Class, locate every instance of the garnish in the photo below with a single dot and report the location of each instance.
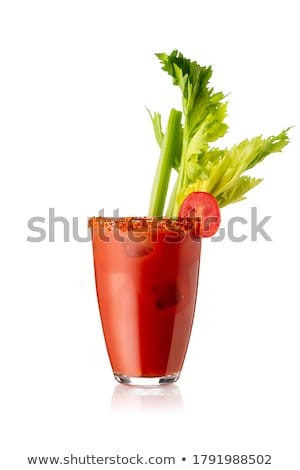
(205, 207)
(186, 144)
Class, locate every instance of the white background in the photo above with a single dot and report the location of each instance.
(75, 135)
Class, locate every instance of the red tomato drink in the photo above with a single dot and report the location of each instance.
(146, 274)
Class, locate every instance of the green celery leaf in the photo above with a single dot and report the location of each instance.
(223, 169)
(236, 193)
(225, 173)
(271, 145)
(156, 122)
(200, 103)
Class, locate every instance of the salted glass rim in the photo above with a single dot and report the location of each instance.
(181, 221)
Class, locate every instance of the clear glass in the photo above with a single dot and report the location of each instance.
(146, 272)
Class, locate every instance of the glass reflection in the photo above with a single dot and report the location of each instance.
(164, 399)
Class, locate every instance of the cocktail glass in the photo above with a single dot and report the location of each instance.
(146, 272)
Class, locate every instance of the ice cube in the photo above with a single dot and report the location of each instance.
(137, 250)
(167, 294)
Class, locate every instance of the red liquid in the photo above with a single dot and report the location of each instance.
(146, 293)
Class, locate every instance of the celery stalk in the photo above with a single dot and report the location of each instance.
(172, 200)
(171, 140)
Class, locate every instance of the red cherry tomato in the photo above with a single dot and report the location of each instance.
(205, 207)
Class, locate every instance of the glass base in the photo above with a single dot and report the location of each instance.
(147, 381)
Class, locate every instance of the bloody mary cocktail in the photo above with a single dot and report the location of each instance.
(146, 274)
(147, 268)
